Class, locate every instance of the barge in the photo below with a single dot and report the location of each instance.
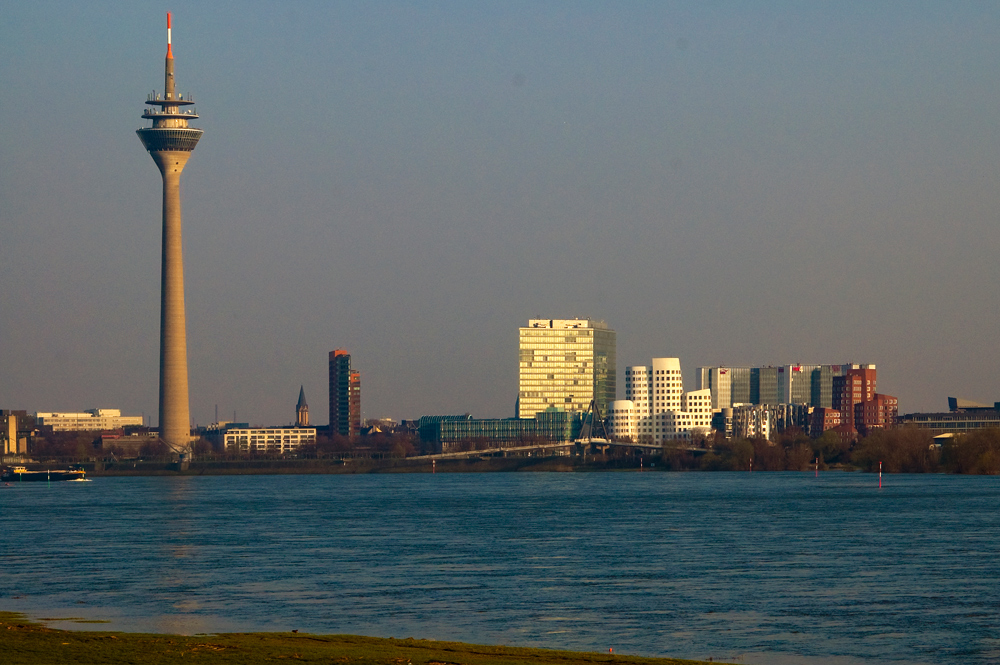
(18, 474)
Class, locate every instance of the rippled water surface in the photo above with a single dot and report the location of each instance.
(754, 568)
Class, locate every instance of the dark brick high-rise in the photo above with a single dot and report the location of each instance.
(345, 395)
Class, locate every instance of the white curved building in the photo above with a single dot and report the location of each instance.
(622, 420)
(664, 412)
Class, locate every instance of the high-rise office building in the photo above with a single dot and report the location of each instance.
(813, 384)
(565, 363)
(170, 142)
(340, 390)
(738, 385)
(718, 380)
(740, 379)
(792, 384)
(764, 386)
(345, 395)
(809, 384)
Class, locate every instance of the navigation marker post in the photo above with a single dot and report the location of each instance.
(880, 475)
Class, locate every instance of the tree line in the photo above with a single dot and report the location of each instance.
(900, 450)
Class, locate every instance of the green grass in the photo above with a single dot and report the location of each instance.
(73, 619)
(27, 642)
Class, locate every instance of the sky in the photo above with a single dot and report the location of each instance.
(730, 183)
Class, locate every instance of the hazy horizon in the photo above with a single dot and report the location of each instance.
(727, 183)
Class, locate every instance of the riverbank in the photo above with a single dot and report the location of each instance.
(360, 465)
(24, 642)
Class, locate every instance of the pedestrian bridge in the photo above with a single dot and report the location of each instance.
(567, 448)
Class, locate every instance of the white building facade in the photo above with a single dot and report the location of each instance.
(92, 419)
(664, 412)
(268, 439)
(623, 420)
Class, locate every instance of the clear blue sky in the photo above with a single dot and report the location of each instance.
(727, 182)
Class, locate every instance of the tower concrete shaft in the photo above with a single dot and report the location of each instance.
(170, 142)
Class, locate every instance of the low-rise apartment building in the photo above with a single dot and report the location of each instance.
(276, 440)
(91, 419)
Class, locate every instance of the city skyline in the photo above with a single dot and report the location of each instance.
(741, 185)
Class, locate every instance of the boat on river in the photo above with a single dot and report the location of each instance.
(18, 474)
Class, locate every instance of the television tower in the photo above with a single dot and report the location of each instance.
(170, 142)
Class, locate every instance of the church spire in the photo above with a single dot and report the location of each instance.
(302, 409)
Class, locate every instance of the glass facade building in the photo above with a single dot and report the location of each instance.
(448, 433)
(795, 384)
(764, 386)
(811, 384)
(739, 385)
(566, 363)
(799, 384)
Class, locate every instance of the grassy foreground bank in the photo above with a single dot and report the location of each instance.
(26, 642)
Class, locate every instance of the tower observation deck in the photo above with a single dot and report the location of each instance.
(170, 141)
(170, 130)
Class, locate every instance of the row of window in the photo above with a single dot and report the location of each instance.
(548, 397)
(550, 380)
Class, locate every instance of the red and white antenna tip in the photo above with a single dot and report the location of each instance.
(170, 52)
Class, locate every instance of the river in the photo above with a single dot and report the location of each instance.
(752, 568)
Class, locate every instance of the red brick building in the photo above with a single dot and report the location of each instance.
(823, 419)
(880, 412)
(856, 385)
(355, 402)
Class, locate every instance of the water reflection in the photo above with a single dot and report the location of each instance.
(177, 537)
(745, 568)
